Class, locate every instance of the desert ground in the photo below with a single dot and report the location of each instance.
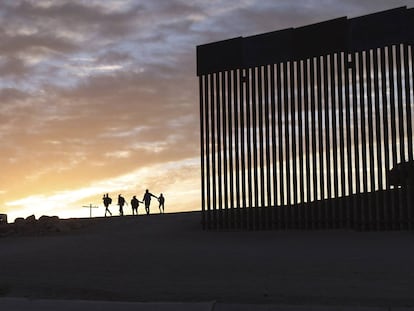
(169, 258)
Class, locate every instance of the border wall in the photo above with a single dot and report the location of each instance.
(299, 127)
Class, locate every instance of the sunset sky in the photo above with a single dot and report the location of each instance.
(102, 96)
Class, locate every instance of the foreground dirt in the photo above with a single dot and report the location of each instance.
(169, 258)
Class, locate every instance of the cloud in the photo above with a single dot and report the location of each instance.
(13, 67)
(74, 16)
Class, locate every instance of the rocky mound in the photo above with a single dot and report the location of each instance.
(45, 225)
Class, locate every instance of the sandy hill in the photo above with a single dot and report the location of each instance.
(169, 258)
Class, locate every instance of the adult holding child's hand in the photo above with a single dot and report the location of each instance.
(147, 200)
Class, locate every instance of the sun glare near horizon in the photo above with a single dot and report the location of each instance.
(181, 194)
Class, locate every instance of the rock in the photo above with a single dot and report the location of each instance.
(45, 225)
(48, 219)
(3, 219)
(31, 219)
(25, 226)
(19, 221)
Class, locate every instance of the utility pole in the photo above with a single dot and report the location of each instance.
(90, 209)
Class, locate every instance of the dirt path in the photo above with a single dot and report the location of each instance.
(169, 258)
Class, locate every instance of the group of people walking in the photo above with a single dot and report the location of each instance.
(146, 200)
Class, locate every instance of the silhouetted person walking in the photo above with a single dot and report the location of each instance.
(147, 200)
(107, 201)
(121, 202)
(161, 199)
(134, 204)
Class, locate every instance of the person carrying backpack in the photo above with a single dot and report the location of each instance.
(107, 201)
(134, 204)
(121, 203)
